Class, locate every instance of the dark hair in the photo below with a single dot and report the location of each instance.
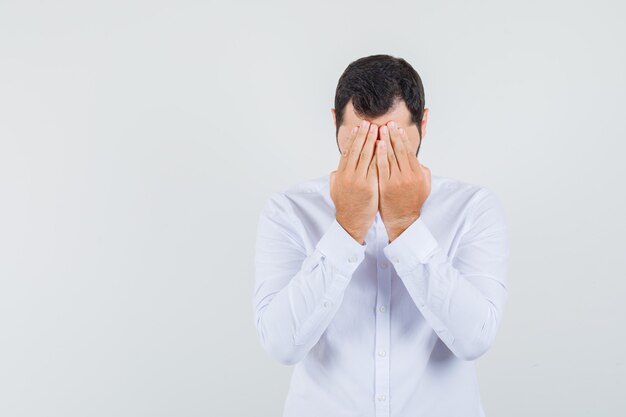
(375, 83)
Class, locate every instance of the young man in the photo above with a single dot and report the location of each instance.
(380, 282)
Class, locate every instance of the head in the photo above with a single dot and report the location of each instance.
(380, 88)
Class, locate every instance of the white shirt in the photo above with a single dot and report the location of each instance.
(381, 329)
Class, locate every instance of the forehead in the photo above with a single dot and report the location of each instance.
(399, 113)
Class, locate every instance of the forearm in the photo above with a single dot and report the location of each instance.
(291, 318)
(464, 318)
(464, 309)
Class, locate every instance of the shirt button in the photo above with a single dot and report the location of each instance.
(327, 303)
(381, 309)
(382, 397)
(383, 264)
(381, 353)
(395, 260)
(352, 259)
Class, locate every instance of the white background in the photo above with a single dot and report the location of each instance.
(139, 140)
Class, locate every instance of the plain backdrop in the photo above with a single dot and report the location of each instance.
(140, 139)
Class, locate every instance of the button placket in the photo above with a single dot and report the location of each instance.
(381, 358)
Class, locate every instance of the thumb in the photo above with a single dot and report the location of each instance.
(425, 171)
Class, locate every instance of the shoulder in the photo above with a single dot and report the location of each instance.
(453, 187)
(465, 198)
(300, 194)
(451, 195)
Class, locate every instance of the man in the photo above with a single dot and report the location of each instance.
(380, 282)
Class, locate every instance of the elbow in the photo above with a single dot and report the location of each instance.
(472, 352)
(287, 361)
(472, 348)
(281, 349)
(281, 352)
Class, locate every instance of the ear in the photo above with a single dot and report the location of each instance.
(424, 121)
(334, 117)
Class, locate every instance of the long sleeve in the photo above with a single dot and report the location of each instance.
(297, 294)
(462, 298)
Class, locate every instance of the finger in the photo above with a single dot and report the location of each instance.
(367, 153)
(399, 149)
(413, 164)
(392, 164)
(357, 145)
(426, 171)
(382, 160)
(343, 160)
(373, 169)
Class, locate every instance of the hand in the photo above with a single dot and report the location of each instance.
(404, 184)
(354, 184)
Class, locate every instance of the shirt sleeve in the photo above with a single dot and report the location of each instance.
(462, 298)
(296, 294)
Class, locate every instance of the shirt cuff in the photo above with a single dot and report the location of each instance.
(413, 246)
(343, 251)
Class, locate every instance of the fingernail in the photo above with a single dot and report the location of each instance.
(392, 124)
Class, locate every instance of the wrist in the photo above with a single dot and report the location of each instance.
(356, 233)
(397, 227)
